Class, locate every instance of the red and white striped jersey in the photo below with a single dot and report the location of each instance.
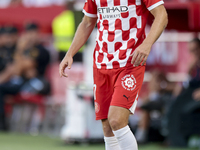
(121, 28)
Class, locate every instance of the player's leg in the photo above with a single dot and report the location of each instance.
(110, 140)
(124, 99)
(118, 120)
(107, 130)
(102, 98)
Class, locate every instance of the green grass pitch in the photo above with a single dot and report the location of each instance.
(18, 141)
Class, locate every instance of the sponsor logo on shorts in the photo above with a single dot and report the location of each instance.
(126, 97)
(128, 82)
(97, 107)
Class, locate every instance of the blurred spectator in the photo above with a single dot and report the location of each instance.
(8, 36)
(26, 73)
(1, 33)
(2, 61)
(159, 89)
(42, 3)
(184, 113)
(193, 69)
(30, 39)
(64, 26)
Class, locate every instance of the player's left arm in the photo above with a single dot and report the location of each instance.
(160, 22)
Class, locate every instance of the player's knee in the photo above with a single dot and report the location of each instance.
(115, 123)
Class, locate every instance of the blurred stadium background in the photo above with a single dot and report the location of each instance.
(40, 110)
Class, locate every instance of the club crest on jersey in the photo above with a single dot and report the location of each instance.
(128, 82)
(97, 107)
(112, 12)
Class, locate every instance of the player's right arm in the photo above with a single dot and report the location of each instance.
(82, 34)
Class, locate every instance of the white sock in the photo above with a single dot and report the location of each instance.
(126, 139)
(111, 143)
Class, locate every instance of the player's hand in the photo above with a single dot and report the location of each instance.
(65, 63)
(140, 55)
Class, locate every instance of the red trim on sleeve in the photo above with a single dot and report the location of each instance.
(149, 3)
(90, 8)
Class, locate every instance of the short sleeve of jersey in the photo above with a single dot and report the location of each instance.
(151, 4)
(90, 8)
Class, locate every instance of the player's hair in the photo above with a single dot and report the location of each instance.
(197, 41)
